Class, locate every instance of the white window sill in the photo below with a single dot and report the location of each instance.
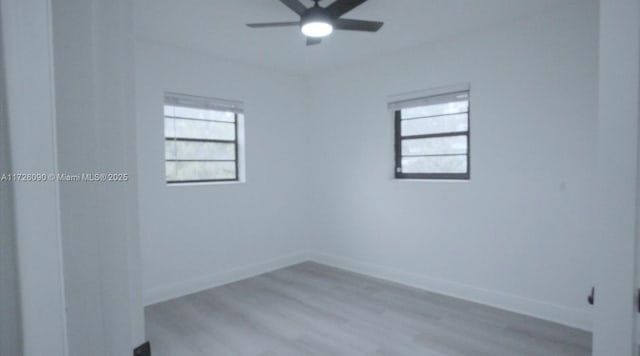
(400, 180)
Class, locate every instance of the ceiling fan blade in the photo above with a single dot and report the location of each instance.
(295, 5)
(273, 24)
(311, 41)
(357, 25)
(341, 7)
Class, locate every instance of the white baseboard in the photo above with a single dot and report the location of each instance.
(162, 294)
(577, 318)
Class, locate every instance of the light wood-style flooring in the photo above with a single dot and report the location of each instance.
(312, 309)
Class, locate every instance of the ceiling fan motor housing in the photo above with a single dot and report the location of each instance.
(316, 14)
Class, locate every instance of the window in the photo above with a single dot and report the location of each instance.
(432, 136)
(202, 139)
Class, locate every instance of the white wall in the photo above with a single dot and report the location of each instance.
(520, 234)
(197, 236)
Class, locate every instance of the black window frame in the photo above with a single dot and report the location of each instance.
(432, 176)
(235, 141)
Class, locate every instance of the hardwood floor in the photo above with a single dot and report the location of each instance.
(312, 309)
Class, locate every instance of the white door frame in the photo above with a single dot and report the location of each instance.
(28, 59)
(10, 325)
(28, 37)
(614, 315)
(96, 129)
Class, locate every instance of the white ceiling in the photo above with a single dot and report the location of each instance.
(218, 27)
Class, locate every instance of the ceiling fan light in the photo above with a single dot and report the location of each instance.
(317, 29)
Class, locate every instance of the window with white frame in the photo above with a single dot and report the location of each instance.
(202, 139)
(432, 136)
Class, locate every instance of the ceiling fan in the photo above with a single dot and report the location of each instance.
(317, 22)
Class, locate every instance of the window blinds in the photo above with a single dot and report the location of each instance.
(196, 102)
